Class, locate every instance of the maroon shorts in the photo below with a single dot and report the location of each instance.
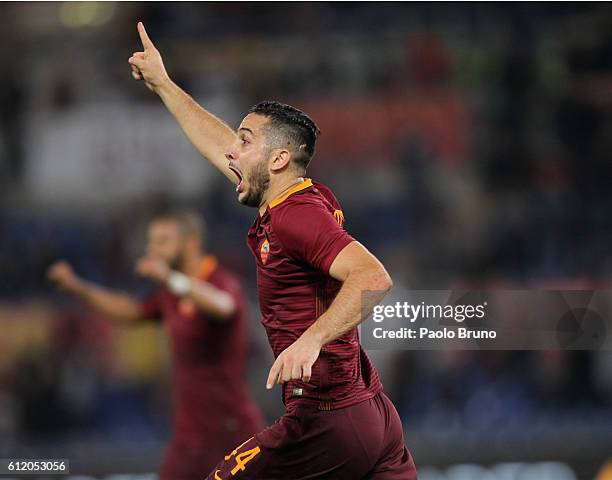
(186, 460)
(363, 441)
(190, 457)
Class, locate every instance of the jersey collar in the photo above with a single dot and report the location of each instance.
(307, 182)
(207, 266)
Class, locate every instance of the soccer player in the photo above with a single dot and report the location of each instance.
(311, 274)
(203, 309)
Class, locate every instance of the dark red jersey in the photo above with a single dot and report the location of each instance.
(208, 361)
(295, 242)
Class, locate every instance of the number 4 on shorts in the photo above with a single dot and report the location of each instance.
(242, 458)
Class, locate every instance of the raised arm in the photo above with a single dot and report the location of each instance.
(117, 305)
(208, 134)
(208, 299)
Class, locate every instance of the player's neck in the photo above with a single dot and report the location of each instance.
(278, 191)
(191, 264)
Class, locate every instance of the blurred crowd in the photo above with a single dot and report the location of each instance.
(469, 144)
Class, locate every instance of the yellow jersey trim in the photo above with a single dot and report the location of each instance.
(305, 184)
(209, 263)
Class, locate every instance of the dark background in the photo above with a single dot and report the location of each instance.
(469, 145)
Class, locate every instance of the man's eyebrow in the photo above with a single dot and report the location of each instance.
(247, 129)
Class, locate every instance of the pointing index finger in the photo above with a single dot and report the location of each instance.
(273, 375)
(144, 38)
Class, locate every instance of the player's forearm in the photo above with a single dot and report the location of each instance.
(211, 300)
(116, 305)
(208, 134)
(350, 307)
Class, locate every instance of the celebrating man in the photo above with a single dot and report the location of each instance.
(310, 276)
(203, 309)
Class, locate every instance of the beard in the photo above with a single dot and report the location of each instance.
(176, 262)
(258, 181)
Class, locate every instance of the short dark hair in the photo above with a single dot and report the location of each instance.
(297, 128)
(188, 221)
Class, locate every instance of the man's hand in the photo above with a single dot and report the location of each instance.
(62, 274)
(296, 361)
(209, 135)
(148, 65)
(153, 268)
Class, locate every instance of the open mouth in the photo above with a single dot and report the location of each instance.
(240, 179)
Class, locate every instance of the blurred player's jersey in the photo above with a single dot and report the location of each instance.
(211, 396)
(294, 243)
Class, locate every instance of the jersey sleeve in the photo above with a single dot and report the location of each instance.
(308, 231)
(150, 307)
(230, 285)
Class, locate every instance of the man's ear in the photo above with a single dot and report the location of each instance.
(280, 159)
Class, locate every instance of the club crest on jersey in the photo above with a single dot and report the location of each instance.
(264, 251)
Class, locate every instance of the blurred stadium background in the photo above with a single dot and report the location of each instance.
(469, 144)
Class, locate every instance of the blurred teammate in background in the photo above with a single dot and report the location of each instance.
(310, 276)
(203, 309)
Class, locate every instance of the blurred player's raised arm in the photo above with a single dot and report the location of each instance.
(116, 305)
(209, 135)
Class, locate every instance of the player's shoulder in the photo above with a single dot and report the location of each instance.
(312, 205)
(326, 193)
(224, 278)
(309, 195)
